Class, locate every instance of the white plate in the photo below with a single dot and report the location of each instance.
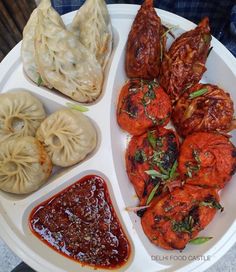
(108, 161)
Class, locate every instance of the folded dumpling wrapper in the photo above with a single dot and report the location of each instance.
(93, 26)
(28, 50)
(24, 165)
(54, 56)
(68, 136)
(62, 60)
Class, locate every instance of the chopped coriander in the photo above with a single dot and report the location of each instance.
(186, 225)
(156, 157)
(212, 203)
(196, 156)
(150, 93)
(140, 156)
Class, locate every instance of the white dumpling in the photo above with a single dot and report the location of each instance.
(68, 136)
(20, 114)
(27, 48)
(24, 165)
(62, 60)
(92, 24)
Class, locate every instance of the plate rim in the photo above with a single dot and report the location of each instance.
(21, 249)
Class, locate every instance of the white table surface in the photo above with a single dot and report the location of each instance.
(8, 260)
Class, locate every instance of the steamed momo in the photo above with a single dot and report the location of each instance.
(63, 62)
(92, 24)
(68, 136)
(24, 165)
(20, 114)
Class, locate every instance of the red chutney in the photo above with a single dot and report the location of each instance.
(80, 223)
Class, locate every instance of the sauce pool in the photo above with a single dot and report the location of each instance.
(80, 223)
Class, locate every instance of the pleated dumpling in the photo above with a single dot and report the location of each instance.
(20, 114)
(68, 136)
(28, 50)
(24, 165)
(63, 62)
(92, 24)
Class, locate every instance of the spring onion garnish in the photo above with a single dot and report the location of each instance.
(165, 175)
(77, 107)
(40, 81)
(152, 139)
(169, 31)
(156, 174)
(173, 169)
(151, 195)
(212, 203)
(200, 240)
(198, 93)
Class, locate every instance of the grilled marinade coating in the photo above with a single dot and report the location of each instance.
(145, 44)
(142, 104)
(170, 222)
(204, 107)
(207, 159)
(184, 63)
(157, 149)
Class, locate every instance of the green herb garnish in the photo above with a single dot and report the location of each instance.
(191, 169)
(169, 29)
(156, 174)
(198, 93)
(200, 240)
(163, 170)
(196, 156)
(150, 93)
(212, 204)
(77, 107)
(152, 139)
(40, 81)
(152, 194)
(173, 170)
(183, 226)
(130, 113)
(156, 157)
(164, 175)
(140, 156)
(152, 118)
